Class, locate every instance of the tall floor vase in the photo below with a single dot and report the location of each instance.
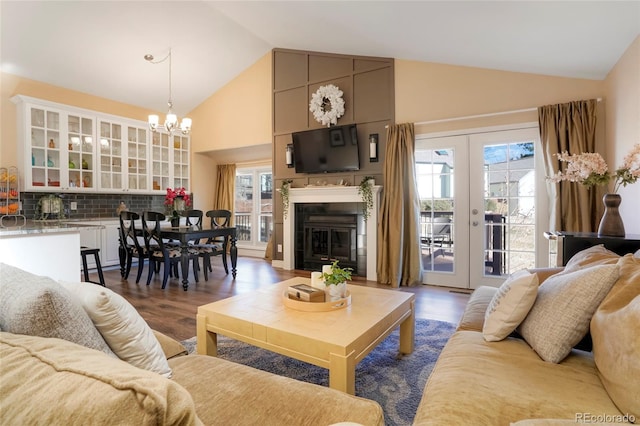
(611, 223)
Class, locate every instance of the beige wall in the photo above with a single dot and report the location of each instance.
(623, 126)
(235, 117)
(428, 91)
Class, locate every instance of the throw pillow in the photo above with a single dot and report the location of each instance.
(510, 305)
(596, 255)
(126, 332)
(566, 302)
(39, 306)
(616, 343)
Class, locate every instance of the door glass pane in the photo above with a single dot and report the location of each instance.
(266, 207)
(244, 206)
(435, 175)
(509, 220)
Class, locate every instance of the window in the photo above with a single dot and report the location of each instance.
(254, 206)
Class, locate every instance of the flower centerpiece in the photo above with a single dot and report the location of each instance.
(590, 169)
(176, 201)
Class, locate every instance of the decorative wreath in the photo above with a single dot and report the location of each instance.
(327, 96)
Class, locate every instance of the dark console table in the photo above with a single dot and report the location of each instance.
(570, 243)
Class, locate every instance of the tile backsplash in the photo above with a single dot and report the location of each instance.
(90, 206)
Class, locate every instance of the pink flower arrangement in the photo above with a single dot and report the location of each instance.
(172, 194)
(590, 169)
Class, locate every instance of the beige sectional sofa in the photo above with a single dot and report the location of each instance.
(480, 382)
(50, 380)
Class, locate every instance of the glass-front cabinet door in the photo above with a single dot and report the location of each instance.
(160, 175)
(111, 158)
(80, 152)
(137, 159)
(46, 157)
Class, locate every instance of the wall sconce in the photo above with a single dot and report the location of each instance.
(373, 148)
(289, 155)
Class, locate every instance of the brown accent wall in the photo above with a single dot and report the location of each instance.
(368, 86)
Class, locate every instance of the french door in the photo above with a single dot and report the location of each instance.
(483, 206)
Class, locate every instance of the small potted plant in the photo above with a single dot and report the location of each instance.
(336, 281)
(365, 191)
(284, 193)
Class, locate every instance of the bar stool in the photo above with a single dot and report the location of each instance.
(84, 252)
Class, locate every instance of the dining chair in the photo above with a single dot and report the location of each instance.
(194, 218)
(159, 251)
(219, 218)
(131, 244)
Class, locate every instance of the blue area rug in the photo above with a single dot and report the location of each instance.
(396, 384)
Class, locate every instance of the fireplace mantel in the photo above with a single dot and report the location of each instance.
(331, 194)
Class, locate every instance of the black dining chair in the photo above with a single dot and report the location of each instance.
(159, 252)
(130, 243)
(218, 245)
(194, 218)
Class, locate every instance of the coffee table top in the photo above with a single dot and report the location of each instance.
(261, 318)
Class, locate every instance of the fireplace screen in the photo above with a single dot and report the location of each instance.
(328, 238)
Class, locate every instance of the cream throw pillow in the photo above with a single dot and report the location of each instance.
(122, 327)
(615, 329)
(596, 255)
(510, 305)
(566, 302)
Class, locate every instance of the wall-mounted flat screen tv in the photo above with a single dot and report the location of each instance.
(326, 150)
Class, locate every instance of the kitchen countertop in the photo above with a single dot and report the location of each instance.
(47, 227)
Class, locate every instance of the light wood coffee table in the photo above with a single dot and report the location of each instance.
(336, 340)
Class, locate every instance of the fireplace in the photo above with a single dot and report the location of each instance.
(328, 237)
(333, 200)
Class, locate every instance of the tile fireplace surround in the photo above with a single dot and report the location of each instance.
(330, 194)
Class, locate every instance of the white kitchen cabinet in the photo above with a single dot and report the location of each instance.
(91, 238)
(63, 148)
(105, 238)
(58, 150)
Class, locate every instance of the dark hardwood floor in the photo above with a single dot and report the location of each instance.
(173, 311)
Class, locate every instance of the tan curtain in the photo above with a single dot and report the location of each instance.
(570, 127)
(225, 188)
(399, 261)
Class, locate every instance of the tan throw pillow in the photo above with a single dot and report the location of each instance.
(39, 306)
(596, 255)
(510, 305)
(566, 302)
(127, 333)
(615, 329)
(55, 382)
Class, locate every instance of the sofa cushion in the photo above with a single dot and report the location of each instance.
(592, 256)
(510, 305)
(243, 395)
(616, 343)
(54, 382)
(476, 309)
(125, 331)
(39, 306)
(560, 317)
(476, 382)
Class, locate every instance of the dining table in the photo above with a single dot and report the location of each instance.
(184, 234)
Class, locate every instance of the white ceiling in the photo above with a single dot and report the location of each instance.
(97, 47)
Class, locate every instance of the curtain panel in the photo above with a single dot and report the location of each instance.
(225, 188)
(399, 261)
(570, 127)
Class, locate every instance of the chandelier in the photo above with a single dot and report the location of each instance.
(171, 121)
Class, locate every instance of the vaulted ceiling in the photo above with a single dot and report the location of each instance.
(97, 47)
